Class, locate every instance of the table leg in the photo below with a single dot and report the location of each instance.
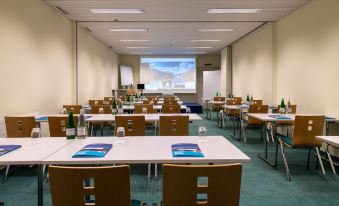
(40, 185)
(265, 157)
(234, 127)
(331, 162)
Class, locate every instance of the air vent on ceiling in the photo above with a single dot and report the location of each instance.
(61, 10)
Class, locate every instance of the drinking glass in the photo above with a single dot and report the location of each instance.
(202, 132)
(36, 135)
(120, 135)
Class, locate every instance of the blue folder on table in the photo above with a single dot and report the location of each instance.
(44, 118)
(4, 149)
(279, 117)
(93, 150)
(186, 150)
(330, 118)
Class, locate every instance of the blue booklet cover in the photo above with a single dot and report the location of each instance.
(4, 149)
(93, 150)
(279, 117)
(44, 118)
(186, 150)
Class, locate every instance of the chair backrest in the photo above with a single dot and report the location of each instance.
(213, 185)
(147, 101)
(219, 99)
(100, 186)
(256, 109)
(171, 108)
(73, 108)
(57, 125)
(95, 102)
(152, 98)
(169, 98)
(19, 126)
(138, 108)
(95, 109)
(134, 125)
(170, 102)
(293, 109)
(238, 98)
(233, 102)
(174, 125)
(109, 98)
(306, 128)
(257, 102)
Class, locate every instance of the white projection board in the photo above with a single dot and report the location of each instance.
(211, 84)
(126, 75)
(168, 74)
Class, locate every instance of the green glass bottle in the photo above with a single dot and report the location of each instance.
(114, 107)
(251, 98)
(217, 94)
(229, 95)
(248, 98)
(282, 103)
(70, 127)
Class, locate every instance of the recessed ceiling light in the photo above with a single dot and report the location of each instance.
(138, 47)
(134, 40)
(199, 47)
(195, 52)
(234, 11)
(214, 30)
(117, 11)
(205, 40)
(130, 30)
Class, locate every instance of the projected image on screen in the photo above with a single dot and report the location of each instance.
(176, 74)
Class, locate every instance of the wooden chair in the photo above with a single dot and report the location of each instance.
(286, 124)
(95, 102)
(134, 125)
(152, 98)
(19, 126)
(57, 125)
(252, 122)
(173, 125)
(219, 99)
(306, 128)
(257, 102)
(234, 114)
(138, 108)
(74, 108)
(213, 185)
(147, 101)
(109, 98)
(170, 102)
(100, 186)
(95, 109)
(238, 98)
(171, 108)
(169, 99)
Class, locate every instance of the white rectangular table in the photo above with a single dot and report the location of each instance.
(156, 107)
(334, 142)
(135, 150)
(32, 151)
(266, 118)
(148, 117)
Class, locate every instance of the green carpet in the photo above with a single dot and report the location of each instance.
(261, 184)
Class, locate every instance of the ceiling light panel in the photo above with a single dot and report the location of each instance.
(214, 30)
(205, 40)
(117, 11)
(129, 30)
(234, 11)
(134, 40)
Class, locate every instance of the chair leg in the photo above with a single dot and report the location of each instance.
(331, 162)
(285, 160)
(308, 158)
(321, 164)
(271, 132)
(243, 132)
(6, 174)
(156, 171)
(149, 172)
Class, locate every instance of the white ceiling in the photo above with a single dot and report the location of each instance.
(173, 23)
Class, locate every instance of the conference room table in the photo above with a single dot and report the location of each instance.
(267, 118)
(135, 150)
(156, 107)
(330, 141)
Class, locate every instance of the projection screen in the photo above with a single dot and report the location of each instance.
(160, 75)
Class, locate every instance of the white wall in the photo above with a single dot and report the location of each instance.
(308, 57)
(97, 68)
(35, 58)
(252, 66)
(211, 83)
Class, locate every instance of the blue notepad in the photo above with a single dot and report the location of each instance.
(186, 150)
(93, 151)
(45, 118)
(330, 118)
(4, 149)
(279, 117)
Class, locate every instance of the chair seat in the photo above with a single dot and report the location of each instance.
(286, 139)
(136, 203)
